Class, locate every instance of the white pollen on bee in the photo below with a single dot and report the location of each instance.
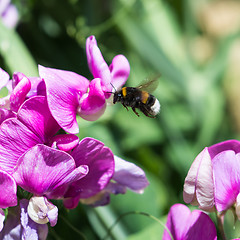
(155, 108)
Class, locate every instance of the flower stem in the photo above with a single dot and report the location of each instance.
(220, 220)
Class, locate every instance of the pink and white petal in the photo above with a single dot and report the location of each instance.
(226, 168)
(198, 184)
(52, 170)
(5, 114)
(97, 64)
(4, 78)
(129, 175)
(19, 93)
(35, 114)
(15, 139)
(65, 142)
(41, 211)
(64, 89)
(2, 218)
(93, 102)
(100, 161)
(8, 186)
(120, 70)
(10, 17)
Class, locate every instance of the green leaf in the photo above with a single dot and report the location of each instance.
(15, 53)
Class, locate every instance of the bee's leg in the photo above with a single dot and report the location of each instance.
(134, 110)
(125, 106)
(145, 111)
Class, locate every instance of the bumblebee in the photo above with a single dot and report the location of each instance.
(139, 97)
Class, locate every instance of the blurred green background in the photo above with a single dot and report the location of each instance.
(194, 45)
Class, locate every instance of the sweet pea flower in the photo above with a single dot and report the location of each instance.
(187, 225)
(214, 178)
(29, 140)
(106, 78)
(69, 94)
(126, 176)
(20, 226)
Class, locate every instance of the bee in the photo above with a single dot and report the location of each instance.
(139, 98)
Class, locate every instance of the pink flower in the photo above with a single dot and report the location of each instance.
(69, 94)
(187, 225)
(214, 178)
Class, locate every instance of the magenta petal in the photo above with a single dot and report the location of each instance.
(226, 167)
(19, 93)
(35, 114)
(4, 78)
(129, 175)
(15, 139)
(5, 114)
(8, 186)
(38, 87)
(97, 64)
(92, 104)
(100, 161)
(120, 70)
(65, 142)
(64, 89)
(52, 170)
(223, 146)
(183, 224)
(198, 184)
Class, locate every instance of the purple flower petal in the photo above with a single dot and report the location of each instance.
(226, 167)
(65, 142)
(183, 224)
(4, 78)
(30, 229)
(5, 114)
(71, 202)
(120, 70)
(97, 64)
(34, 113)
(100, 199)
(19, 93)
(64, 89)
(198, 186)
(129, 175)
(51, 169)
(100, 161)
(8, 186)
(12, 227)
(92, 104)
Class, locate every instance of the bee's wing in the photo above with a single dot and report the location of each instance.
(150, 84)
